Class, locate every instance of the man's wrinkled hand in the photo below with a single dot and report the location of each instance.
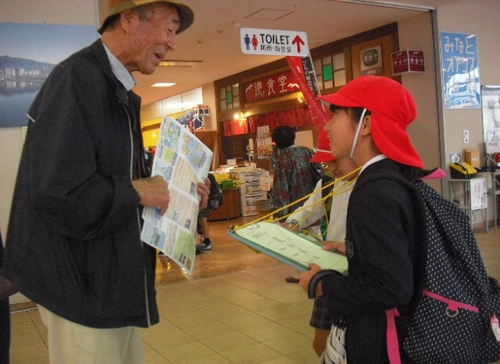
(153, 192)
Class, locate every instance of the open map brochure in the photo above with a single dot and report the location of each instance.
(184, 161)
(288, 247)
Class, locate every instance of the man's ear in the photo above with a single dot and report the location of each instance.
(367, 125)
(126, 19)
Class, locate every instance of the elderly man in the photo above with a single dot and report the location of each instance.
(73, 243)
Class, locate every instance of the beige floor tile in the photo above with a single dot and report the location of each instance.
(242, 297)
(210, 359)
(260, 304)
(235, 309)
(249, 319)
(290, 344)
(170, 337)
(186, 317)
(307, 356)
(282, 360)
(228, 341)
(23, 352)
(267, 332)
(282, 312)
(299, 323)
(252, 354)
(23, 327)
(228, 310)
(154, 357)
(187, 352)
(290, 296)
(211, 328)
(27, 340)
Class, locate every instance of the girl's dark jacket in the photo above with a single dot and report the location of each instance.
(381, 242)
(73, 241)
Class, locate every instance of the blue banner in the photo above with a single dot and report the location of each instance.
(460, 71)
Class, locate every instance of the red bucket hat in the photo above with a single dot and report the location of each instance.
(392, 110)
(323, 153)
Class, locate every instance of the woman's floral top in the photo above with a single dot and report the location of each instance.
(292, 178)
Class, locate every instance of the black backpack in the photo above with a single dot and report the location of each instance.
(215, 196)
(316, 171)
(456, 301)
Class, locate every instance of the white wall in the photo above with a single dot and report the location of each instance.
(481, 18)
(416, 34)
(11, 144)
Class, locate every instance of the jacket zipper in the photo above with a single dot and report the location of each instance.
(137, 210)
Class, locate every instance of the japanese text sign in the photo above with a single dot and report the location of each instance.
(270, 86)
(273, 42)
(460, 71)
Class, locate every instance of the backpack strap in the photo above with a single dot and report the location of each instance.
(391, 314)
(392, 336)
(384, 173)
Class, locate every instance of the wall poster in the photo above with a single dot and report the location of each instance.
(490, 99)
(371, 61)
(28, 53)
(460, 71)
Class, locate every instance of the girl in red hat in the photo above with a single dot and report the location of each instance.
(370, 116)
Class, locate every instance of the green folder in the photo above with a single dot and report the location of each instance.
(287, 247)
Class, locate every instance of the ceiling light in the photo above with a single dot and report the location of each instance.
(176, 63)
(163, 84)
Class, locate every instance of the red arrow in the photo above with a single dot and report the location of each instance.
(298, 40)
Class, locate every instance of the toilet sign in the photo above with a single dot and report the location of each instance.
(273, 42)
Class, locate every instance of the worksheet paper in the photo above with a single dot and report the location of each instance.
(288, 247)
(184, 161)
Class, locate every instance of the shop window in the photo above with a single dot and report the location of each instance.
(229, 97)
(330, 71)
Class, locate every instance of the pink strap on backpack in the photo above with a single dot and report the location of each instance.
(392, 336)
(452, 305)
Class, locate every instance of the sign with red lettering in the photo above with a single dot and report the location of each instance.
(407, 61)
(270, 86)
(273, 42)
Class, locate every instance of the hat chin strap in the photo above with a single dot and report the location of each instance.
(360, 123)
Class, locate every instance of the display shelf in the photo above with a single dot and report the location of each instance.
(250, 188)
(230, 208)
(474, 197)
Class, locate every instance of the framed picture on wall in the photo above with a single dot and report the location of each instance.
(29, 53)
(371, 61)
(373, 57)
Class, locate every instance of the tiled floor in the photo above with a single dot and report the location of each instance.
(236, 308)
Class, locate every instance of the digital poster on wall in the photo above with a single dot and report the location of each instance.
(28, 53)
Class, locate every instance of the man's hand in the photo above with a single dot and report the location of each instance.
(336, 246)
(153, 192)
(306, 276)
(204, 191)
